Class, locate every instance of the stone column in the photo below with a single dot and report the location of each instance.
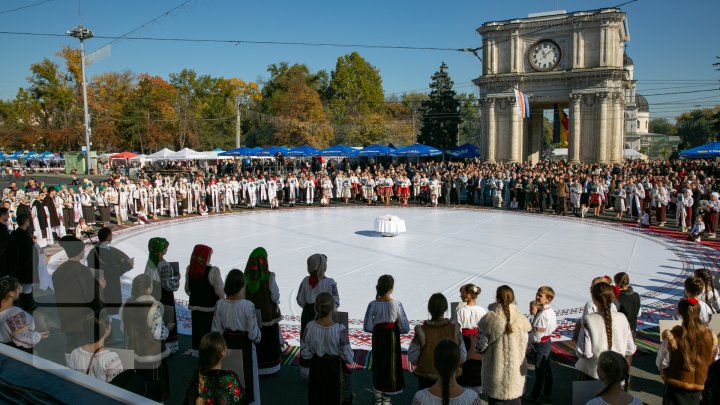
(535, 135)
(491, 135)
(602, 127)
(515, 133)
(618, 147)
(574, 135)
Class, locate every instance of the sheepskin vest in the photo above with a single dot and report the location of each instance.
(676, 374)
(504, 367)
(430, 333)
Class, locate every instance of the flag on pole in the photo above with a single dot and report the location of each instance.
(564, 129)
(522, 103)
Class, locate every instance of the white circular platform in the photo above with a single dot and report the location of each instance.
(442, 250)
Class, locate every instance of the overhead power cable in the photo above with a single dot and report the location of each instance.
(24, 7)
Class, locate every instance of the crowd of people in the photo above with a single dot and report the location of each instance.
(647, 192)
(476, 351)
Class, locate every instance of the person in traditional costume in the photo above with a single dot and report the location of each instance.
(59, 203)
(661, 198)
(309, 289)
(172, 200)
(236, 319)
(166, 280)
(326, 348)
(262, 290)
(327, 187)
(272, 193)
(19, 257)
(252, 194)
(210, 384)
(620, 197)
(468, 316)
(17, 327)
(711, 216)
(385, 318)
(204, 286)
(113, 200)
(354, 185)
(637, 197)
(87, 199)
(428, 335)
(142, 318)
(683, 210)
(309, 190)
(435, 189)
(293, 188)
(262, 188)
(103, 205)
(41, 222)
(369, 190)
(51, 208)
(68, 207)
(446, 359)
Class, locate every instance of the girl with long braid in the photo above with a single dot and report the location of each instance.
(601, 331)
(686, 353)
(446, 390)
(503, 338)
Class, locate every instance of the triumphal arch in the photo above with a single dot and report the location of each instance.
(571, 60)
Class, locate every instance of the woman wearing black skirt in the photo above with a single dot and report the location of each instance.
(166, 280)
(204, 286)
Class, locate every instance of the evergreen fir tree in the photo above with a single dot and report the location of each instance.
(441, 117)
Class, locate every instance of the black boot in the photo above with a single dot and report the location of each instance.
(27, 302)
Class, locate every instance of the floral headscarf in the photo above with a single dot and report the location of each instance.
(155, 248)
(198, 260)
(256, 270)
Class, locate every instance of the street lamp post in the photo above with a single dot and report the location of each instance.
(82, 34)
(239, 102)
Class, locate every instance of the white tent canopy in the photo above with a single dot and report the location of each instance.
(184, 154)
(211, 155)
(161, 154)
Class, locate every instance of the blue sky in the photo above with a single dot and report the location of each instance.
(673, 44)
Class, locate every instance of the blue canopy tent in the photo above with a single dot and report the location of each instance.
(270, 151)
(218, 150)
(709, 150)
(375, 150)
(467, 150)
(303, 151)
(241, 151)
(417, 150)
(338, 150)
(15, 155)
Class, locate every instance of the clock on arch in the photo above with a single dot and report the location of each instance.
(544, 55)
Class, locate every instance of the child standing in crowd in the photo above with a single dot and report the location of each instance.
(427, 335)
(544, 323)
(210, 384)
(503, 341)
(18, 326)
(385, 318)
(694, 287)
(92, 358)
(310, 287)
(709, 295)
(327, 347)
(468, 316)
(601, 331)
(686, 353)
(235, 318)
(614, 372)
(446, 390)
(697, 229)
(628, 300)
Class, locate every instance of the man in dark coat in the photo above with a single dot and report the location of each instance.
(20, 258)
(112, 264)
(24, 208)
(40, 214)
(49, 202)
(78, 292)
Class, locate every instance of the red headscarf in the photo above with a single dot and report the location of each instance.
(198, 260)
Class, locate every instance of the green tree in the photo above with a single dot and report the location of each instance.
(661, 125)
(356, 101)
(441, 117)
(695, 127)
(148, 120)
(109, 94)
(291, 96)
(470, 113)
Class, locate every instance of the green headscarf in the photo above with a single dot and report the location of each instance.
(257, 270)
(155, 247)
